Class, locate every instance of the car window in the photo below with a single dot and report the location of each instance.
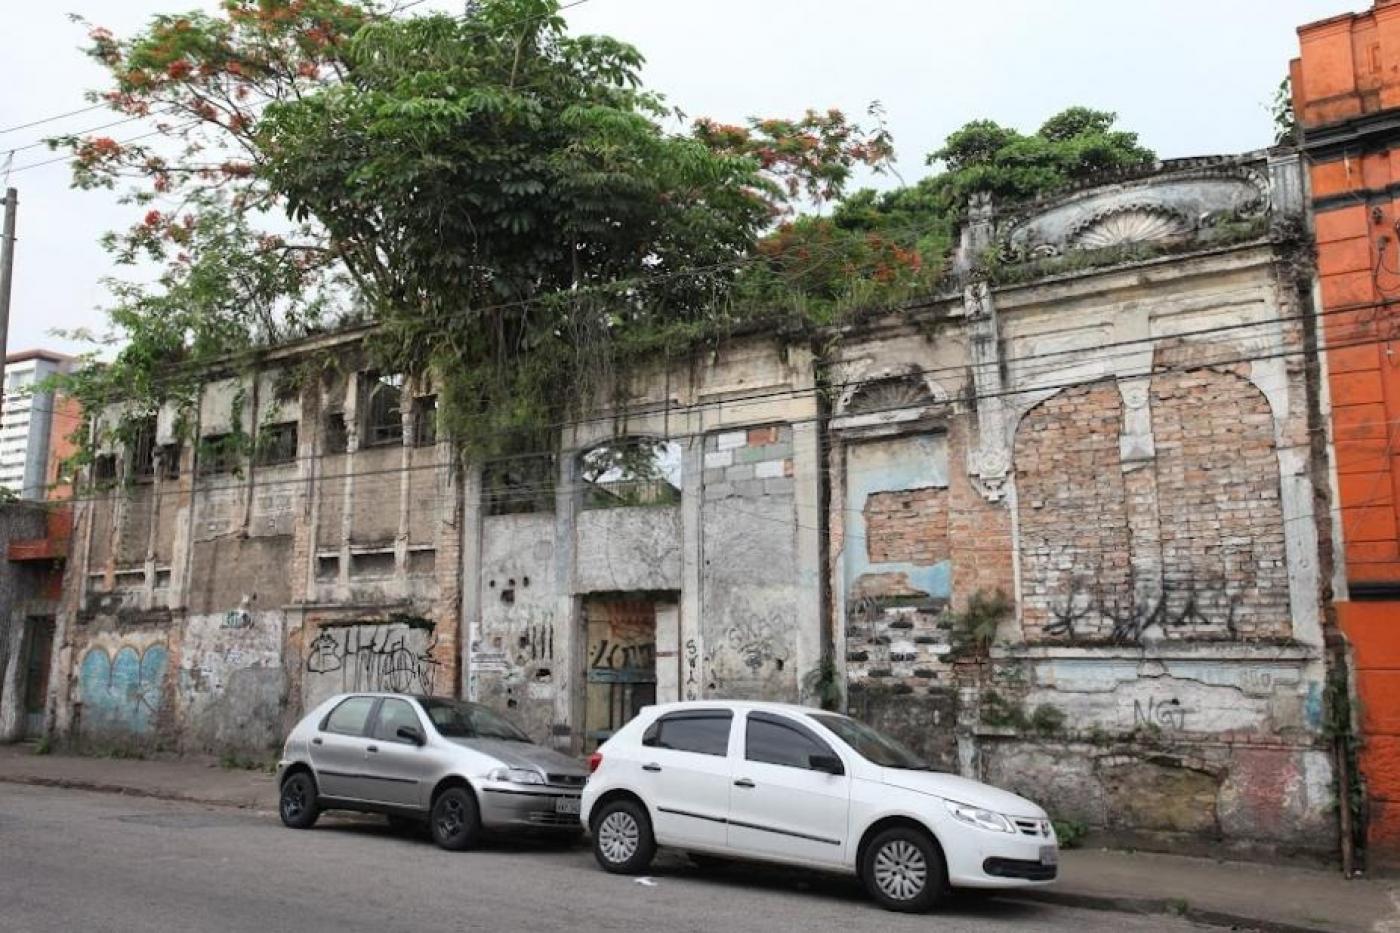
(704, 733)
(392, 715)
(350, 717)
(776, 741)
(455, 719)
(870, 744)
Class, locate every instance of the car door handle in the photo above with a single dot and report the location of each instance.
(372, 748)
(316, 741)
(744, 782)
(651, 767)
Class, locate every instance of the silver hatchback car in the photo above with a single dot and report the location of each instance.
(458, 766)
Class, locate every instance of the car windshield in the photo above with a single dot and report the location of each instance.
(455, 719)
(875, 747)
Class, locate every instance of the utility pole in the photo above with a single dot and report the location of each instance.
(7, 274)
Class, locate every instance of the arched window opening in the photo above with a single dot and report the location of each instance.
(631, 472)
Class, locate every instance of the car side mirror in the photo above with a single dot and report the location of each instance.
(410, 734)
(828, 763)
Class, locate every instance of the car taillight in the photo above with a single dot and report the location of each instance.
(594, 760)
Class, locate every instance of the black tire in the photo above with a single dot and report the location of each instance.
(455, 822)
(622, 840)
(903, 870)
(296, 803)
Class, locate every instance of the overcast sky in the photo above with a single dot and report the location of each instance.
(1193, 77)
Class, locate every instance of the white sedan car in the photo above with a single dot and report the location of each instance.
(802, 786)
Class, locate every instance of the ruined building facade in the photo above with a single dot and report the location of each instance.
(1106, 418)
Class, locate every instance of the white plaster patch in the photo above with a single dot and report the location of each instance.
(768, 469)
(732, 439)
(719, 459)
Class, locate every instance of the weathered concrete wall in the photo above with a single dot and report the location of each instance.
(231, 684)
(635, 548)
(750, 574)
(513, 654)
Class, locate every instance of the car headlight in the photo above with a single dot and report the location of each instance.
(982, 819)
(516, 776)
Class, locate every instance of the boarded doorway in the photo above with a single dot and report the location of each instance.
(631, 660)
(36, 675)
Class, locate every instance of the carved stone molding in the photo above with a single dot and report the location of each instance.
(1175, 202)
(1137, 223)
(990, 471)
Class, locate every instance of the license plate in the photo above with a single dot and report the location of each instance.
(1049, 855)
(566, 805)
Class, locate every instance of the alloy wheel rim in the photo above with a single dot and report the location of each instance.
(901, 871)
(619, 836)
(293, 797)
(450, 820)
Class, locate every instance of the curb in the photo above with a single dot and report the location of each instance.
(1160, 906)
(129, 791)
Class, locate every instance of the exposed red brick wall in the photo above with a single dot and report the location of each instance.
(908, 526)
(979, 531)
(1073, 516)
(1218, 501)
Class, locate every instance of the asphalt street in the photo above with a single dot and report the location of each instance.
(74, 860)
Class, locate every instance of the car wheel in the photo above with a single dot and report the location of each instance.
(903, 870)
(455, 821)
(297, 802)
(622, 839)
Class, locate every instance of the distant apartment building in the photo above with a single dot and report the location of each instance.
(31, 424)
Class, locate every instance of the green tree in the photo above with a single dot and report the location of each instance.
(501, 194)
(515, 214)
(878, 247)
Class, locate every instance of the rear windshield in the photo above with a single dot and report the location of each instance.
(455, 719)
(872, 745)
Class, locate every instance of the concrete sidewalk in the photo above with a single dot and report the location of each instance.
(193, 779)
(1237, 895)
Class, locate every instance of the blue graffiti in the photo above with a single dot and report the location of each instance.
(1312, 705)
(122, 694)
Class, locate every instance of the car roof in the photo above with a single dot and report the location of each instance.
(739, 706)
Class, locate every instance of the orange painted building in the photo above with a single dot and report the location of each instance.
(1346, 95)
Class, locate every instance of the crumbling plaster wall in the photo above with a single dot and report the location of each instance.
(513, 656)
(1166, 683)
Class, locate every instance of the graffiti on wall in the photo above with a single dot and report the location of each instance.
(122, 692)
(692, 666)
(752, 639)
(1087, 609)
(395, 656)
(1168, 714)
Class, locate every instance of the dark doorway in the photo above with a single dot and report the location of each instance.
(620, 667)
(36, 674)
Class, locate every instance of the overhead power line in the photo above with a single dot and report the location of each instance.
(1194, 365)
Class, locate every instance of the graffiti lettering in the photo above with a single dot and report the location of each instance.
(122, 693)
(1194, 605)
(538, 640)
(692, 657)
(611, 656)
(752, 641)
(1168, 714)
(390, 657)
(237, 618)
